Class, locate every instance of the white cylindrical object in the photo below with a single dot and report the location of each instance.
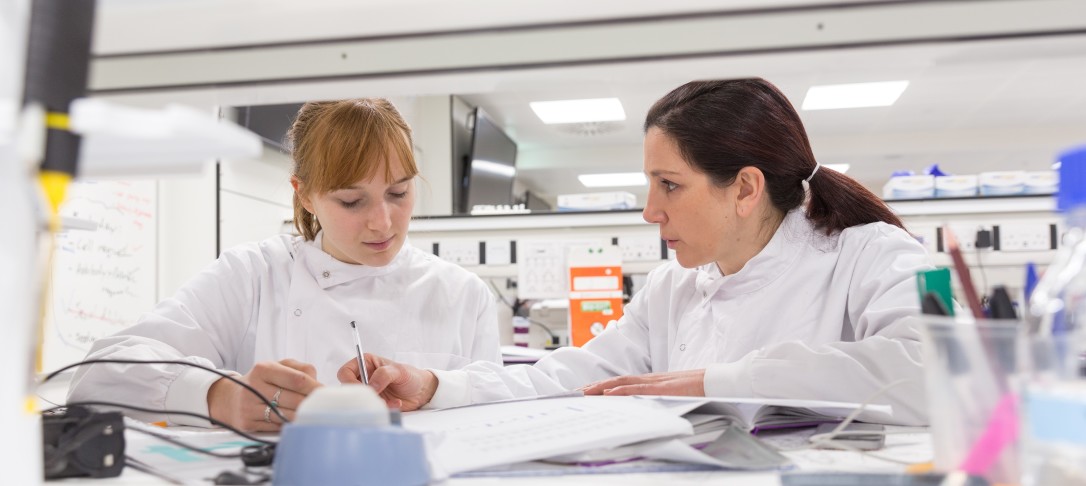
(22, 453)
(521, 329)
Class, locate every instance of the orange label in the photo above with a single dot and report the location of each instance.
(595, 299)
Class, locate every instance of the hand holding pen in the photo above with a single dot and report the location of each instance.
(402, 386)
(361, 361)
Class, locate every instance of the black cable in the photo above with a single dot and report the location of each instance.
(983, 275)
(274, 407)
(498, 294)
(146, 469)
(184, 445)
(170, 412)
(554, 338)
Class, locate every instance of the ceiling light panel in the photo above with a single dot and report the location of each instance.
(855, 95)
(579, 111)
(621, 179)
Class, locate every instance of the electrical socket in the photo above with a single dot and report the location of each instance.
(499, 252)
(639, 248)
(460, 252)
(926, 235)
(966, 234)
(1025, 237)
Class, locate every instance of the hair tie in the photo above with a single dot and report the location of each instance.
(813, 172)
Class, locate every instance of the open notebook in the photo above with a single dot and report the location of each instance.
(587, 430)
(755, 414)
(712, 419)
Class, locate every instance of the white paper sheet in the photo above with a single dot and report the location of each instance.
(505, 433)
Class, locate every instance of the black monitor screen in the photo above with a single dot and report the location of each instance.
(492, 166)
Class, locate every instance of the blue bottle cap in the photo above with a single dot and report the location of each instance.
(933, 170)
(1072, 179)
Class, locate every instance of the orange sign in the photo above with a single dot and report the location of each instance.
(595, 299)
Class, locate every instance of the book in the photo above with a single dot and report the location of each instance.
(757, 414)
(711, 419)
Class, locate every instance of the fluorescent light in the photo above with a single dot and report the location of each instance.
(620, 179)
(842, 168)
(495, 168)
(579, 111)
(856, 95)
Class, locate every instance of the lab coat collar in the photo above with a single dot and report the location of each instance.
(329, 272)
(787, 243)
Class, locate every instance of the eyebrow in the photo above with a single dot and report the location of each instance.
(401, 181)
(659, 172)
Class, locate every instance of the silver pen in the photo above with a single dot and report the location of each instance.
(358, 349)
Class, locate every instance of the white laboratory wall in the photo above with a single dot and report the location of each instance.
(186, 229)
(1024, 223)
(255, 198)
(430, 121)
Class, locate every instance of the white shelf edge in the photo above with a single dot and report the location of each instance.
(979, 205)
(528, 221)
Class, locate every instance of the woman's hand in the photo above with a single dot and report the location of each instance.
(402, 386)
(286, 383)
(686, 383)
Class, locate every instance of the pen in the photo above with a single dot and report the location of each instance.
(1031, 280)
(358, 349)
(963, 274)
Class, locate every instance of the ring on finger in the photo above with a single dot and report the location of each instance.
(275, 398)
(267, 414)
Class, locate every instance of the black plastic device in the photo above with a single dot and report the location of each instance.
(80, 442)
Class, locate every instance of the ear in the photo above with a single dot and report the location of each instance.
(750, 181)
(303, 196)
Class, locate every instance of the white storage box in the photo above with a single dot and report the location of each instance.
(956, 186)
(909, 187)
(1042, 182)
(1002, 183)
(596, 201)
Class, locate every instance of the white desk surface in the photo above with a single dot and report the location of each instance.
(912, 446)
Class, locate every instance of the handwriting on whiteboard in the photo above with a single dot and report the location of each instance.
(104, 279)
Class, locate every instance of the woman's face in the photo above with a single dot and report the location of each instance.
(697, 219)
(366, 223)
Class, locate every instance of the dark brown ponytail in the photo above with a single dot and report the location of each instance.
(722, 126)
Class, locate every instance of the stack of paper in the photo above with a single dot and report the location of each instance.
(505, 433)
(601, 432)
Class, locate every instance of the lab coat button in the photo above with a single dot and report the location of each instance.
(297, 312)
(705, 293)
(682, 347)
(327, 274)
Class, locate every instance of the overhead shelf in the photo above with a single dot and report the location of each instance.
(632, 217)
(572, 219)
(974, 205)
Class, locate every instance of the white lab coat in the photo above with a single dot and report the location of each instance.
(810, 317)
(286, 298)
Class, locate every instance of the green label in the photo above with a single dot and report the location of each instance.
(595, 305)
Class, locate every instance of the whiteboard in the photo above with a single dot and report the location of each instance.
(102, 280)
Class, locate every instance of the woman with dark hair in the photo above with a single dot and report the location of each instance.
(770, 297)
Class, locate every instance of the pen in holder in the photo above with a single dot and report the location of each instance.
(971, 381)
